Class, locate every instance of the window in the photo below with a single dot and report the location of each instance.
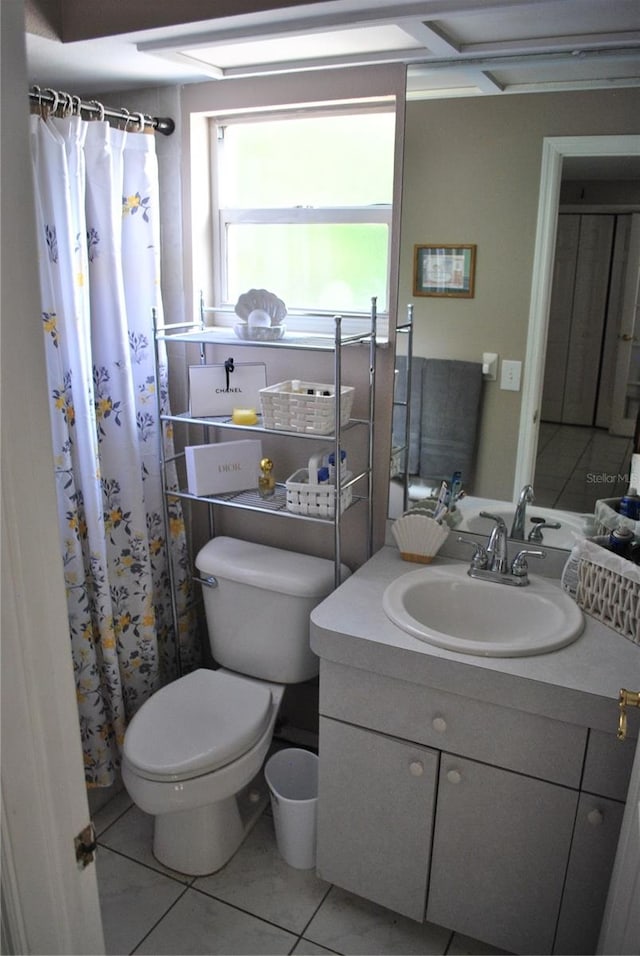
(304, 204)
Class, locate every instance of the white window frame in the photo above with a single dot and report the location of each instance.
(362, 86)
(222, 217)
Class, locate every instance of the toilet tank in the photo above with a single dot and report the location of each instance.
(258, 611)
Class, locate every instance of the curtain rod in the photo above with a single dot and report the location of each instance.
(74, 105)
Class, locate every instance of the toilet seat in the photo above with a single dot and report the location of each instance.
(197, 724)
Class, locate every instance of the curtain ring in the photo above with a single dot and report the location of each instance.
(100, 109)
(76, 106)
(126, 116)
(140, 117)
(67, 109)
(37, 106)
(56, 100)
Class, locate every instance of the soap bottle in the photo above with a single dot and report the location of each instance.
(332, 465)
(266, 481)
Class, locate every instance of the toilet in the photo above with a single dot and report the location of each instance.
(194, 751)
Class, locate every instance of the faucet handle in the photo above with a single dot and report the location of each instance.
(538, 524)
(519, 565)
(480, 558)
(499, 520)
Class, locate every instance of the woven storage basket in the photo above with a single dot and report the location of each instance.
(317, 501)
(607, 517)
(607, 587)
(284, 409)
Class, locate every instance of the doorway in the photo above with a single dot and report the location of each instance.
(556, 150)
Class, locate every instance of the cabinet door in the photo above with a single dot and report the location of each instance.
(375, 812)
(593, 851)
(500, 851)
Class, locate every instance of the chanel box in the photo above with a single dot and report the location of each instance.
(225, 466)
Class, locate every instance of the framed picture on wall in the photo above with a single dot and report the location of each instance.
(444, 270)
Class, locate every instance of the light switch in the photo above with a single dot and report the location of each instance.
(510, 374)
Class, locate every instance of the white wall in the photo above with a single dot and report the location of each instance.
(51, 906)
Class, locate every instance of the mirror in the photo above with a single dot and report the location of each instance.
(510, 434)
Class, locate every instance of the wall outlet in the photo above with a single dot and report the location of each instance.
(510, 374)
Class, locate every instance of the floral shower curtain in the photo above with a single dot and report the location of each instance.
(96, 192)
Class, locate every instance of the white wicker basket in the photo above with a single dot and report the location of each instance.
(316, 501)
(606, 586)
(608, 517)
(305, 410)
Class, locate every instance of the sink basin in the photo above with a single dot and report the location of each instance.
(445, 607)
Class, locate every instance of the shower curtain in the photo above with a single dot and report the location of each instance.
(96, 193)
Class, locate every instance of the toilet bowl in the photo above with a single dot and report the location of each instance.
(192, 758)
(193, 753)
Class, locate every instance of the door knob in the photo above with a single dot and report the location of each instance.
(627, 698)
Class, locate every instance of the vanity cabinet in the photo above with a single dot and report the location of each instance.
(470, 814)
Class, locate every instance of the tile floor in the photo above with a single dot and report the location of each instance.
(256, 904)
(575, 466)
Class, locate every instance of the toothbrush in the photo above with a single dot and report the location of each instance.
(441, 506)
(456, 487)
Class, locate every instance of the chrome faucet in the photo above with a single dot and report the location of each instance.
(520, 517)
(491, 563)
(497, 550)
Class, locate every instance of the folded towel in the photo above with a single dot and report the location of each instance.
(451, 393)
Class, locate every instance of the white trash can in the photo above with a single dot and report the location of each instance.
(292, 777)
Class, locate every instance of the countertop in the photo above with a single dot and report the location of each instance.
(579, 683)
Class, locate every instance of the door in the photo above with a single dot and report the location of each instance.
(626, 388)
(620, 931)
(577, 318)
(593, 851)
(375, 812)
(500, 850)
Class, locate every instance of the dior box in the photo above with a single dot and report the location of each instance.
(225, 466)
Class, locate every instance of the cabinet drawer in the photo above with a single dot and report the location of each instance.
(502, 736)
(608, 765)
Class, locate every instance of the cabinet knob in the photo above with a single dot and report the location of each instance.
(454, 776)
(595, 817)
(415, 768)
(439, 724)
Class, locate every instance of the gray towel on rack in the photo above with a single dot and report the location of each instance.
(415, 424)
(451, 393)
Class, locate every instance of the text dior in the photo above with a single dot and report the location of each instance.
(230, 466)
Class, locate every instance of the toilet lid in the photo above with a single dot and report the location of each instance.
(196, 724)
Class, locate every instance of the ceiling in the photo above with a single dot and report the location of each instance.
(451, 47)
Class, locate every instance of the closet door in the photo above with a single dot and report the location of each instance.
(626, 388)
(577, 318)
(561, 308)
(614, 317)
(587, 319)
